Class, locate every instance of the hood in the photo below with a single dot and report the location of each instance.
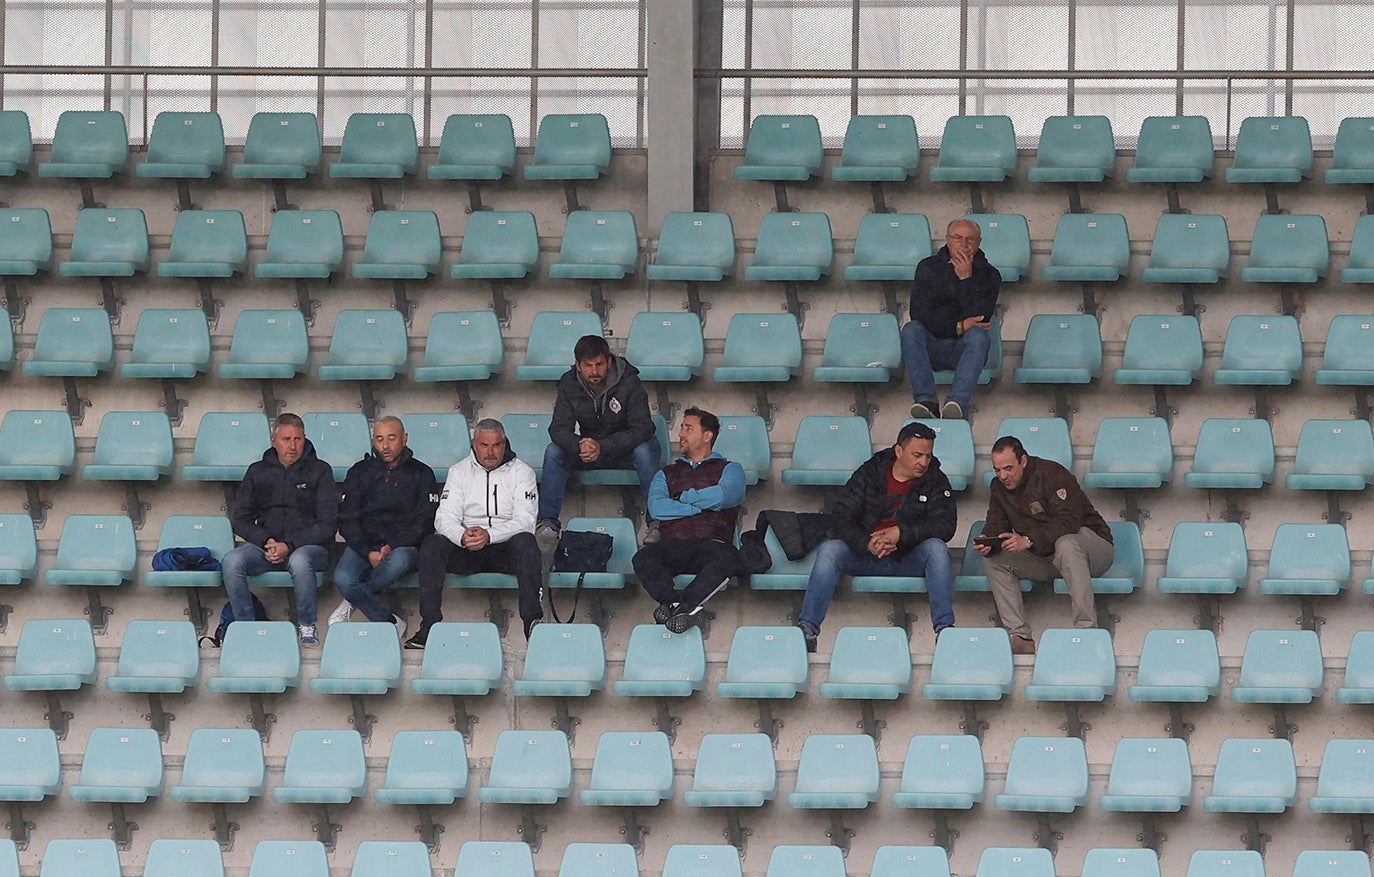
(406, 456)
(270, 455)
(883, 459)
(619, 369)
(471, 458)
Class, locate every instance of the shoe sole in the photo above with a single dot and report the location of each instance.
(662, 613)
(681, 622)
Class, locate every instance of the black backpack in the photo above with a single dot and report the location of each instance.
(226, 618)
(580, 552)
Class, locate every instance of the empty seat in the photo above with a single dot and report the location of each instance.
(869, 663)
(1173, 149)
(439, 440)
(596, 859)
(156, 657)
(1131, 452)
(280, 146)
(475, 146)
(1331, 863)
(1308, 559)
(630, 769)
(976, 149)
(1006, 243)
(303, 244)
(1073, 664)
(877, 149)
(1046, 437)
(1149, 775)
(400, 245)
(1333, 455)
(168, 857)
(80, 857)
(1205, 558)
(1089, 247)
(733, 770)
(258, 657)
(107, 243)
(1061, 349)
(765, 662)
(954, 449)
(598, 245)
(72, 342)
(1260, 351)
(366, 345)
(88, 144)
(461, 346)
(94, 550)
(1074, 149)
(359, 657)
(1253, 775)
(836, 772)
(30, 770)
(528, 436)
(377, 146)
(694, 247)
(1232, 453)
(1046, 774)
(552, 337)
(792, 247)
(16, 142)
(425, 767)
(1289, 248)
(666, 346)
(222, 766)
(341, 438)
(760, 347)
(941, 773)
(120, 766)
(25, 241)
(323, 767)
(781, 148)
(495, 859)
(131, 446)
(528, 767)
(1271, 149)
(1348, 356)
(889, 246)
(563, 660)
(659, 663)
(184, 146)
(1358, 685)
(827, 450)
(18, 549)
(1280, 666)
(1346, 781)
(570, 147)
(803, 861)
(289, 858)
(36, 445)
(468, 660)
(1161, 349)
(387, 858)
(498, 245)
(207, 244)
(699, 860)
(169, 343)
(267, 344)
(1352, 159)
(860, 348)
(1104, 862)
(972, 663)
(1189, 248)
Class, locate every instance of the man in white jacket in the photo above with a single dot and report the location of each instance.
(485, 523)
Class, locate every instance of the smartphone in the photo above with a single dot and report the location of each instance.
(988, 541)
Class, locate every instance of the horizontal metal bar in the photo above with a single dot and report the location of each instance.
(326, 72)
(1163, 75)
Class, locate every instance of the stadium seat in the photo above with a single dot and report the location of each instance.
(1131, 452)
(170, 857)
(1358, 684)
(1045, 775)
(1331, 863)
(528, 436)
(665, 346)
(1232, 453)
(941, 773)
(107, 243)
(803, 861)
(267, 344)
(377, 146)
(598, 245)
(258, 657)
(1015, 862)
(1308, 560)
(1074, 149)
(1046, 437)
(662, 664)
(760, 347)
(878, 149)
(16, 143)
(1205, 558)
(1348, 355)
(1061, 349)
(1271, 149)
(366, 345)
(289, 858)
(80, 857)
(183, 147)
(498, 245)
(889, 246)
(528, 767)
(495, 859)
(227, 443)
(400, 245)
(169, 343)
(88, 145)
(386, 858)
(1280, 666)
(95, 550)
(954, 449)
(461, 346)
(119, 766)
(1260, 351)
(630, 769)
(425, 768)
(781, 148)
(156, 658)
(570, 147)
(468, 660)
(784, 574)
(733, 770)
(1104, 862)
(694, 247)
(303, 244)
(1073, 664)
(596, 859)
(1189, 248)
(440, 440)
(765, 663)
(620, 566)
(30, 770)
(1089, 247)
(836, 772)
(562, 661)
(207, 244)
(827, 450)
(201, 531)
(131, 446)
(868, 663)
(1253, 775)
(894, 861)
(1288, 249)
(1345, 783)
(792, 247)
(693, 860)
(18, 549)
(72, 342)
(1173, 149)
(25, 240)
(1161, 350)
(323, 767)
(1006, 243)
(1149, 775)
(222, 766)
(1333, 455)
(972, 663)
(553, 334)
(1178, 666)
(280, 147)
(36, 446)
(341, 438)
(860, 349)
(976, 149)
(1352, 159)
(475, 147)
(359, 657)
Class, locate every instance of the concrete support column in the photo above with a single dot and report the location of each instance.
(671, 58)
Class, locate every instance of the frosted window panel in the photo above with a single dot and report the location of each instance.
(468, 34)
(919, 36)
(732, 124)
(732, 40)
(60, 33)
(1331, 36)
(1020, 37)
(488, 95)
(590, 35)
(616, 99)
(803, 36)
(1027, 101)
(377, 35)
(1127, 36)
(1125, 103)
(269, 37)
(928, 101)
(1236, 36)
(51, 96)
(177, 37)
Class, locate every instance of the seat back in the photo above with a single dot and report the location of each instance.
(895, 861)
(699, 860)
(156, 654)
(829, 442)
(901, 239)
(92, 137)
(1290, 241)
(1189, 248)
(210, 240)
(184, 857)
(269, 337)
(805, 861)
(1349, 348)
(596, 859)
(1354, 147)
(1065, 347)
(869, 662)
(982, 146)
(632, 762)
(665, 342)
(1282, 659)
(767, 655)
(863, 341)
(656, 657)
(1258, 345)
(1127, 445)
(1091, 240)
(195, 140)
(16, 142)
(464, 338)
(369, 338)
(1163, 349)
(75, 337)
(528, 436)
(289, 858)
(172, 337)
(881, 143)
(1152, 767)
(325, 759)
(1207, 550)
(971, 661)
(1283, 142)
(1335, 447)
(361, 650)
(1006, 242)
(623, 548)
(783, 142)
(498, 244)
(25, 240)
(1178, 666)
(1310, 551)
(694, 246)
(341, 438)
(117, 236)
(552, 337)
(438, 440)
(89, 856)
(260, 650)
(227, 758)
(1046, 437)
(1075, 149)
(97, 542)
(495, 859)
(18, 549)
(42, 439)
(120, 761)
(428, 760)
(795, 240)
(763, 340)
(835, 767)
(531, 760)
(1347, 769)
(386, 141)
(389, 858)
(287, 139)
(599, 243)
(32, 768)
(1048, 767)
(1173, 149)
(1073, 658)
(743, 439)
(481, 144)
(464, 651)
(227, 443)
(733, 770)
(1252, 767)
(573, 139)
(1232, 446)
(404, 238)
(306, 236)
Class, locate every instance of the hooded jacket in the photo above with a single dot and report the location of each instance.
(940, 300)
(502, 502)
(928, 511)
(296, 504)
(618, 418)
(387, 506)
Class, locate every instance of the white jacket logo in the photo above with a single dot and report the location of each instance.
(614, 405)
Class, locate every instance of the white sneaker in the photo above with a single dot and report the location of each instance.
(342, 614)
(400, 627)
(308, 637)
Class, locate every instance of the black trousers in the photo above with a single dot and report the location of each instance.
(518, 555)
(712, 562)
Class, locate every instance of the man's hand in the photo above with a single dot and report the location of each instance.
(589, 450)
(475, 538)
(276, 552)
(978, 322)
(963, 265)
(376, 557)
(884, 542)
(1015, 542)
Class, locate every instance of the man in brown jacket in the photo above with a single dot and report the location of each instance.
(1040, 526)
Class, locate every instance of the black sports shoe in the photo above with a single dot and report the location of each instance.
(810, 635)
(530, 624)
(664, 611)
(682, 620)
(418, 640)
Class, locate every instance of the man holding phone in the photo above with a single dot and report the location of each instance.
(953, 299)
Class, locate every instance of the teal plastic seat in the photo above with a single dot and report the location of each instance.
(1232, 453)
(280, 146)
(18, 549)
(377, 146)
(169, 343)
(131, 446)
(889, 246)
(461, 346)
(1332, 863)
(1289, 248)
(1280, 666)
(598, 859)
(495, 859)
(72, 342)
(425, 767)
(941, 772)
(222, 766)
(784, 574)
(528, 767)
(197, 531)
(878, 149)
(16, 143)
(1260, 351)
(475, 146)
(498, 245)
(793, 247)
(1089, 247)
(733, 770)
(1348, 357)
(1073, 664)
(1149, 775)
(895, 861)
(1333, 455)
(267, 344)
(828, 450)
(323, 767)
(598, 245)
(869, 663)
(765, 662)
(25, 240)
(1205, 558)
(1046, 437)
(528, 435)
(88, 144)
(781, 148)
(1045, 775)
(1173, 149)
(1074, 149)
(366, 345)
(1061, 349)
(120, 765)
(303, 244)
(1308, 560)
(95, 550)
(627, 477)
(552, 337)
(1253, 775)
(460, 659)
(1131, 452)
(182, 857)
(258, 657)
(289, 858)
(954, 450)
(227, 443)
(836, 772)
(1178, 666)
(156, 657)
(630, 769)
(207, 244)
(1189, 248)
(1358, 684)
(360, 657)
(389, 858)
(107, 243)
(1161, 350)
(570, 146)
(694, 247)
(1272, 149)
(620, 566)
(1352, 159)
(400, 245)
(1345, 783)
(666, 346)
(341, 438)
(80, 857)
(662, 664)
(184, 146)
(30, 767)
(805, 861)
(1103, 862)
(970, 663)
(760, 347)
(437, 439)
(860, 348)
(1006, 243)
(700, 860)
(563, 660)
(976, 149)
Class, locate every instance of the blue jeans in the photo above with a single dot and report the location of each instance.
(645, 459)
(835, 558)
(251, 560)
(359, 582)
(923, 353)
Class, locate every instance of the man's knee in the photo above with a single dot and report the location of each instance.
(1069, 549)
(977, 340)
(934, 555)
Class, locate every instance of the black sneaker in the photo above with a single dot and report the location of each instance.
(810, 635)
(664, 611)
(530, 624)
(682, 619)
(418, 640)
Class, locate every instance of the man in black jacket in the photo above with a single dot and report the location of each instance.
(389, 499)
(286, 512)
(892, 518)
(952, 302)
(600, 421)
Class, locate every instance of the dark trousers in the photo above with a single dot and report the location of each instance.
(712, 562)
(518, 555)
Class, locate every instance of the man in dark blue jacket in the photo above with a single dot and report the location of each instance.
(952, 302)
(389, 499)
(286, 512)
